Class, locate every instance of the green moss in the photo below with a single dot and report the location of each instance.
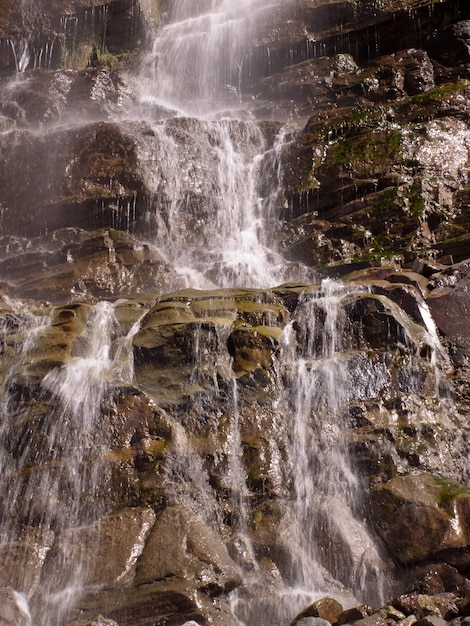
(79, 55)
(363, 114)
(377, 257)
(107, 58)
(417, 205)
(365, 152)
(425, 106)
(449, 490)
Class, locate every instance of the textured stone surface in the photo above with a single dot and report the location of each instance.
(413, 514)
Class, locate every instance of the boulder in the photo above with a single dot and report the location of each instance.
(420, 516)
(327, 609)
(104, 552)
(449, 303)
(183, 546)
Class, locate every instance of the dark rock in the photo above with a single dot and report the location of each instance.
(419, 72)
(450, 45)
(85, 177)
(326, 608)
(353, 615)
(450, 306)
(375, 619)
(406, 603)
(436, 578)
(431, 620)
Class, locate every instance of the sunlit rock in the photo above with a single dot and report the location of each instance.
(223, 455)
(420, 516)
(449, 303)
(181, 545)
(106, 550)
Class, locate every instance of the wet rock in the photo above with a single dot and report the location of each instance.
(431, 620)
(106, 552)
(436, 578)
(66, 32)
(407, 621)
(376, 619)
(327, 609)
(310, 621)
(183, 546)
(166, 344)
(450, 305)
(83, 266)
(348, 211)
(168, 601)
(97, 621)
(378, 176)
(22, 560)
(419, 72)
(402, 501)
(84, 177)
(252, 349)
(450, 45)
(14, 608)
(354, 614)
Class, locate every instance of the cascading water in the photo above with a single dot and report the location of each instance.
(327, 493)
(211, 215)
(330, 549)
(197, 60)
(214, 176)
(69, 487)
(213, 212)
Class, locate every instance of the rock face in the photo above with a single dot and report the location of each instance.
(174, 455)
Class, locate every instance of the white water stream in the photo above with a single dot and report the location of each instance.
(197, 60)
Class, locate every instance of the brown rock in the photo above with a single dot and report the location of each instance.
(450, 306)
(106, 550)
(353, 615)
(86, 177)
(414, 516)
(326, 608)
(182, 546)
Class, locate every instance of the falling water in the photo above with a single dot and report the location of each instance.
(63, 436)
(214, 173)
(212, 214)
(197, 60)
(330, 548)
(327, 493)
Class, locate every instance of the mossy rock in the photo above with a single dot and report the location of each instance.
(421, 516)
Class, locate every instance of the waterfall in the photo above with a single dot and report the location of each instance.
(212, 214)
(216, 192)
(64, 436)
(213, 171)
(327, 492)
(212, 175)
(197, 60)
(329, 547)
